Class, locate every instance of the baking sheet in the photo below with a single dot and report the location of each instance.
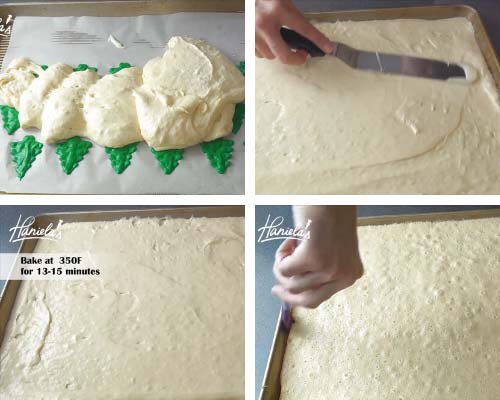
(144, 37)
(271, 386)
(428, 13)
(8, 295)
(387, 173)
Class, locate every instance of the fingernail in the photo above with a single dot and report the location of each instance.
(329, 47)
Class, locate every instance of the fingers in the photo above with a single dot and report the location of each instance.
(268, 40)
(270, 16)
(301, 25)
(281, 50)
(262, 49)
(288, 259)
(301, 283)
(294, 264)
(312, 298)
(286, 249)
(359, 271)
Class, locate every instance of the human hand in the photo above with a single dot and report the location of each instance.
(311, 272)
(270, 16)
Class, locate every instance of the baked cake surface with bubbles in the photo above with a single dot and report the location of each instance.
(422, 324)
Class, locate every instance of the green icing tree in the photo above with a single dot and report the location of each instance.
(71, 153)
(169, 159)
(10, 118)
(241, 67)
(84, 67)
(120, 156)
(24, 153)
(121, 66)
(238, 117)
(219, 152)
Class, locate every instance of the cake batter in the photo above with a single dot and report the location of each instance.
(16, 79)
(166, 320)
(421, 324)
(179, 106)
(184, 98)
(63, 116)
(326, 128)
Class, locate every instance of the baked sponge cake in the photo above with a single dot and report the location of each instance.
(422, 324)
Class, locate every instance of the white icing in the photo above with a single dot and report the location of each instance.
(178, 100)
(115, 42)
(327, 128)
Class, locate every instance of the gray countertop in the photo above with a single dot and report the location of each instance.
(266, 306)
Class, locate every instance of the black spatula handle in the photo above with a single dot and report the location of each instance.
(299, 42)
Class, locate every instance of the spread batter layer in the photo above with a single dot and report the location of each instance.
(164, 321)
(421, 324)
(186, 97)
(325, 128)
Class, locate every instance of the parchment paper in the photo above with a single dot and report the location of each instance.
(86, 41)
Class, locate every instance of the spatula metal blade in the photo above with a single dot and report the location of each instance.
(398, 64)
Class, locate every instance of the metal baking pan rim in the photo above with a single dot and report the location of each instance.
(446, 7)
(487, 42)
(91, 3)
(186, 209)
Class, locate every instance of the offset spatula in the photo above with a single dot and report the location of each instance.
(380, 62)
